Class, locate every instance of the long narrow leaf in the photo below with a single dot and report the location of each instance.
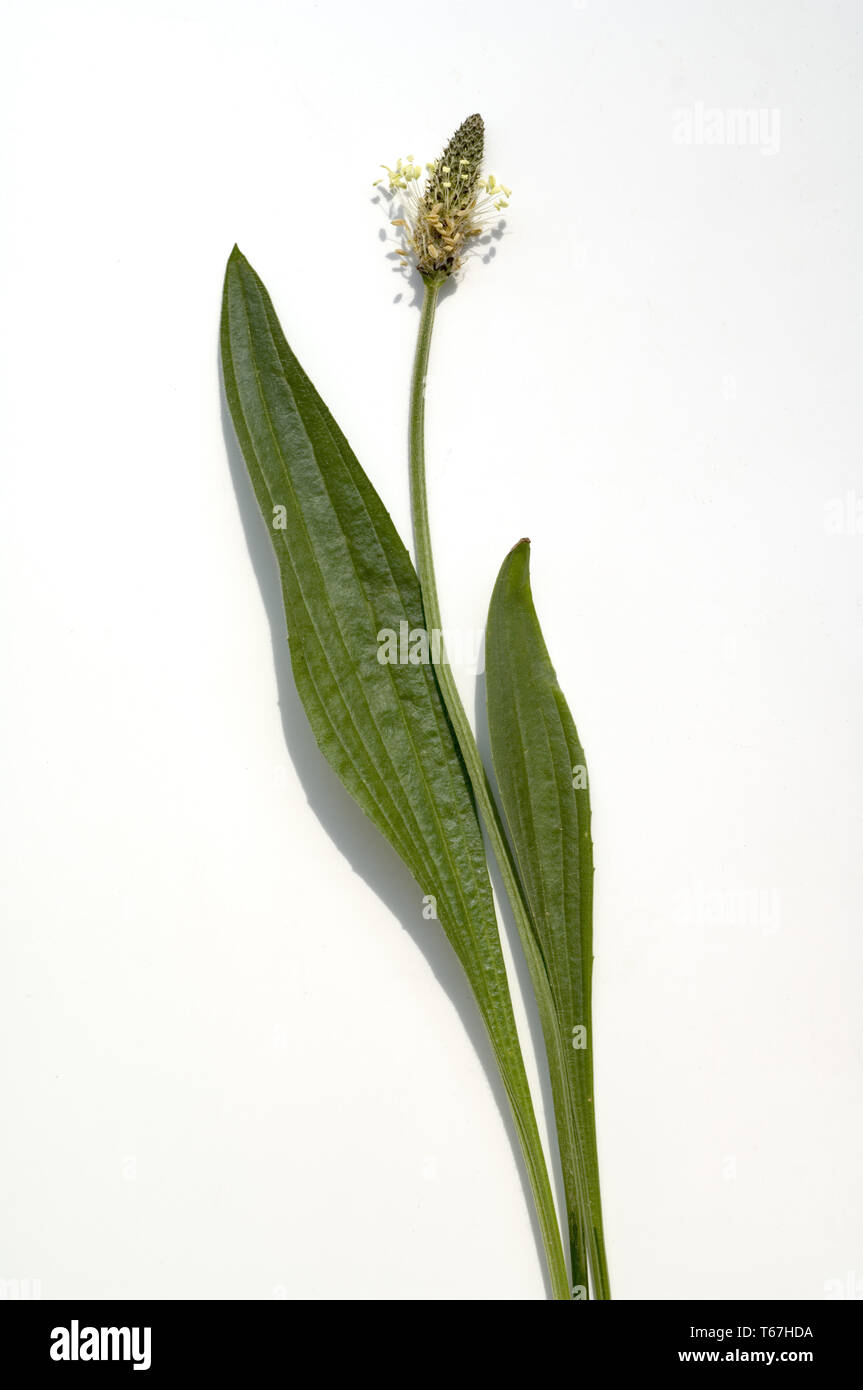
(540, 768)
(346, 578)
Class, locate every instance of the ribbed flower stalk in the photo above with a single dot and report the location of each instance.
(449, 202)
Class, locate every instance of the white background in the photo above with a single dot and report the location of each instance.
(236, 1061)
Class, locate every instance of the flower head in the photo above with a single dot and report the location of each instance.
(440, 220)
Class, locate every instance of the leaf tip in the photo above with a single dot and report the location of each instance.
(236, 258)
(515, 571)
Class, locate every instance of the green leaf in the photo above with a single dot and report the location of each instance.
(541, 772)
(346, 579)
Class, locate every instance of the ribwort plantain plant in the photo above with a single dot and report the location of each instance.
(396, 733)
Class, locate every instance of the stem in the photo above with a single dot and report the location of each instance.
(583, 1242)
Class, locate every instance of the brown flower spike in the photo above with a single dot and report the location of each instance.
(440, 221)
